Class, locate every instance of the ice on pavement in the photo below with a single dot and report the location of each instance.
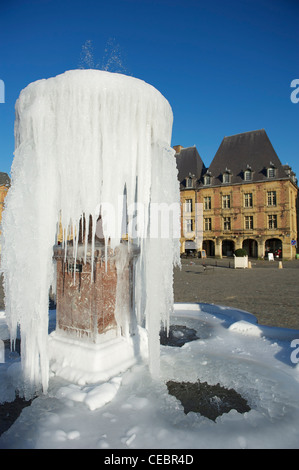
(135, 411)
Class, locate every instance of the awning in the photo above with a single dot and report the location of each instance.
(190, 245)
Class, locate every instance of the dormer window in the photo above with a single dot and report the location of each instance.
(189, 182)
(248, 174)
(287, 170)
(271, 171)
(226, 177)
(207, 180)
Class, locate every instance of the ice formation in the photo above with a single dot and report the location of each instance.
(136, 412)
(82, 139)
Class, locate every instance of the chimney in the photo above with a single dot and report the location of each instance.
(178, 148)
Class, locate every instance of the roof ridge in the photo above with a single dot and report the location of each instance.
(191, 147)
(242, 133)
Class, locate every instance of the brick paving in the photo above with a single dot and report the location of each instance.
(270, 293)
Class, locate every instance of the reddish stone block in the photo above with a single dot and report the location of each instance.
(85, 301)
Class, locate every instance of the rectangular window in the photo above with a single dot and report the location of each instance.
(208, 224)
(271, 198)
(189, 225)
(226, 223)
(207, 203)
(249, 222)
(248, 200)
(271, 172)
(226, 201)
(272, 221)
(188, 205)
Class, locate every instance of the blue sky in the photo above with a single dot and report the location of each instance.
(225, 66)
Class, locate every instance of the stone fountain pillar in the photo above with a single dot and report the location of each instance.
(86, 301)
(90, 341)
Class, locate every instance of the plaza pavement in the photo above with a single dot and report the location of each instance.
(270, 293)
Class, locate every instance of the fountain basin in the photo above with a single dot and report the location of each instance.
(84, 362)
(142, 414)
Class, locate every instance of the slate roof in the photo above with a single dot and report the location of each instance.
(4, 179)
(239, 152)
(189, 163)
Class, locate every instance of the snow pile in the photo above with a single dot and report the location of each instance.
(94, 396)
(132, 411)
(248, 329)
(84, 362)
(83, 139)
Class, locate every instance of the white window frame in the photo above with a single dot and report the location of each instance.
(226, 223)
(207, 203)
(271, 198)
(226, 201)
(208, 224)
(272, 221)
(207, 180)
(189, 225)
(248, 222)
(248, 200)
(226, 177)
(189, 182)
(247, 175)
(188, 205)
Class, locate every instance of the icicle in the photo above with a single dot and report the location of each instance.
(86, 237)
(93, 234)
(81, 138)
(75, 246)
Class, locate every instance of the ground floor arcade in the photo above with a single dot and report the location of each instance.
(255, 248)
(259, 247)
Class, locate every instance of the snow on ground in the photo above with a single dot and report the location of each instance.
(135, 411)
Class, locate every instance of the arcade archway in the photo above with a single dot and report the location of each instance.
(228, 247)
(209, 247)
(250, 245)
(273, 245)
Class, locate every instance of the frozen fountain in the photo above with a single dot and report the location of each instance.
(92, 164)
(93, 169)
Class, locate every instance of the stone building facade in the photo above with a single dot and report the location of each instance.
(248, 199)
(190, 169)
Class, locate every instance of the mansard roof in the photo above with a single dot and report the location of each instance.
(249, 150)
(189, 163)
